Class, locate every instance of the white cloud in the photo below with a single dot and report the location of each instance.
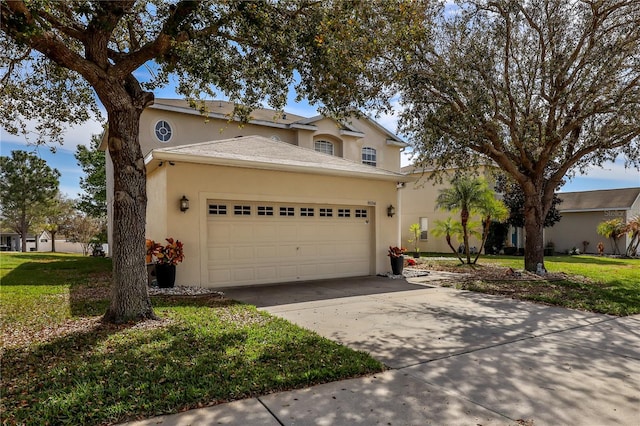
(73, 136)
(611, 170)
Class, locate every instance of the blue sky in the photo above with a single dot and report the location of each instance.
(611, 176)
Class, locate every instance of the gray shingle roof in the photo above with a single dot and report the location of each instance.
(606, 199)
(223, 108)
(259, 152)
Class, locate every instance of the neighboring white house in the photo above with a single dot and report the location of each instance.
(42, 243)
(11, 241)
(281, 198)
(583, 211)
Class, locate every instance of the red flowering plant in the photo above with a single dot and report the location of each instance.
(396, 251)
(170, 254)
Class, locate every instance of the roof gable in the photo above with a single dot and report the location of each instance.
(606, 199)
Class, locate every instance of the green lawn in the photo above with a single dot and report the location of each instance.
(61, 365)
(596, 284)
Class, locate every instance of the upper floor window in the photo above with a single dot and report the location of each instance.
(324, 146)
(163, 131)
(369, 156)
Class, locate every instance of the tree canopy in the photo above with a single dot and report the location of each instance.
(94, 184)
(540, 88)
(28, 187)
(58, 58)
(57, 217)
(513, 198)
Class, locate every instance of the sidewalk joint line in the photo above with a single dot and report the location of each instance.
(269, 411)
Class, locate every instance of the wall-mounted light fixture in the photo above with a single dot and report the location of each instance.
(391, 211)
(184, 204)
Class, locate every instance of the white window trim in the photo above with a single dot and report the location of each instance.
(171, 130)
(370, 152)
(324, 144)
(424, 229)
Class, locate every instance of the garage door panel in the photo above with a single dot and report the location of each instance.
(267, 273)
(263, 232)
(287, 251)
(219, 253)
(307, 250)
(242, 233)
(288, 272)
(288, 232)
(255, 249)
(244, 274)
(219, 275)
(266, 252)
(242, 252)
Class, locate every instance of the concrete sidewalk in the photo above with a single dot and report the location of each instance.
(456, 358)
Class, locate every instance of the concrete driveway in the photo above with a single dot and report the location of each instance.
(455, 358)
(517, 360)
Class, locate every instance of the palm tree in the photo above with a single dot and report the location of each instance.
(633, 228)
(466, 195)
(447, 228)
(612, 229)
(492, 209)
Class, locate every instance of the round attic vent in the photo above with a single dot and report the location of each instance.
(163, 131)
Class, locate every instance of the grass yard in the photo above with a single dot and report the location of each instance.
(60, 365)
(591, 283)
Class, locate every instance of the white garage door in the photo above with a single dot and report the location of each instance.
(258, 242)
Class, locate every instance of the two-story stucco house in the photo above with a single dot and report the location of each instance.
(280, 198)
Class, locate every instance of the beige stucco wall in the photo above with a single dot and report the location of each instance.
(576, 227)
(419, 200)
(157, 203)
(200, 183)
(350, 147)
(188, 129)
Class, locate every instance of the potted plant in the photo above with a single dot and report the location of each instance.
(415, 232)
(396, 254)
(166, 258)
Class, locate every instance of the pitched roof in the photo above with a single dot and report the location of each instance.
(224, 109)
(258, 152)
(605, 199)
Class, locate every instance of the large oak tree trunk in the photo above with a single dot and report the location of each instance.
(129, 297)
(533, 227)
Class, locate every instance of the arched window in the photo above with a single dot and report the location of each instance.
(369, 156)
(324, 146)
(163, 131)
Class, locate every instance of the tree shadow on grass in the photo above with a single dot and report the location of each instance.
(592, 260)
(194, 357)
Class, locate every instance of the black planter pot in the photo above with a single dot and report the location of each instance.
(166, 275)
(397, 264)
